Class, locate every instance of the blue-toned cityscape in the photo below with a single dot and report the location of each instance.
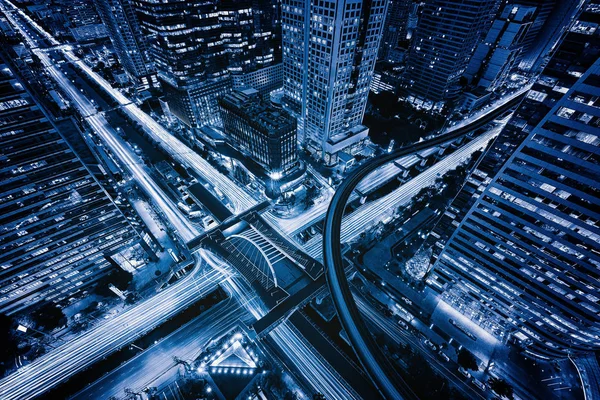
(300, 199)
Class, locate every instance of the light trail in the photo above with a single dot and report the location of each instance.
(55, 367)
(151, 367)
(240, 199)
(113, 141)
(317, 372)
(369, 214)
(395, 332)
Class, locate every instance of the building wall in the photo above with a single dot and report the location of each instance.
(444, 41)
(265, 80)
(264, 133)
(198, 45)
(395, 30)
(497, 55)
(129, 42)
(517, 249)
(329, 53)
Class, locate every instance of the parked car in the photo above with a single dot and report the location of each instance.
(479, 384)
(464, 372)
(444, 356)
(429, 344)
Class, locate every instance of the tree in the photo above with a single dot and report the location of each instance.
(467, 360)
(49, 316)
(9, 348)
(501, 387)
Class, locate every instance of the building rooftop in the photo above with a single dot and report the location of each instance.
(265, 115)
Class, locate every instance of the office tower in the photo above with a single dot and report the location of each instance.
(252, 39)
(543, 8)
(198, 45)
(189, 55)
(517, 250)
(329, 53)
(128, 40)
(58, 227)
(264, 133)
(497, 55)
(395, 30)
(554, 17)
(442, 45)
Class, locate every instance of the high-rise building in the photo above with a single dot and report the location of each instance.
(517, 250)
(551, 19)
(129, 42)
(198, 45)
(58, 226)
(264, 133)
(329, 53)
(189, 55)
(442, 45)
(395, 30)
(497, 55)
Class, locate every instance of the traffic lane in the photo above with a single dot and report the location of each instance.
(334, 356)
(401, 336)
(58, 365)
(153, 363)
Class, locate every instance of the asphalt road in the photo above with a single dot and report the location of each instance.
(151, 367)
(373, 360)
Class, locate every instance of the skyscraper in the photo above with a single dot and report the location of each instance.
(189, 55)
(395, 30)
(517, 250)
(130, 44)
(58, 226)
(198, 45)
(444, 41)
(498, 54)
(551, 18)
(329, 53)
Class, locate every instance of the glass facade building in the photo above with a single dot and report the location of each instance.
(198, 45)
(58, 226)
(443, 43)
(129, 42)
(517, 250)
(329, 53)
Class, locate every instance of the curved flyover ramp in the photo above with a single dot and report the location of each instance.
(373, 360)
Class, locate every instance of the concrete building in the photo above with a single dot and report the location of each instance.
(498, 54)
(517, 250)
(58, 226)
(442, 46)
(329, 53)
(129, 42)
(265, 134)
(395, 30)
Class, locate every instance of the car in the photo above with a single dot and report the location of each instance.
(403, 324)
(464, 372)
(444, 356)
(479, 384)
(429, 344)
